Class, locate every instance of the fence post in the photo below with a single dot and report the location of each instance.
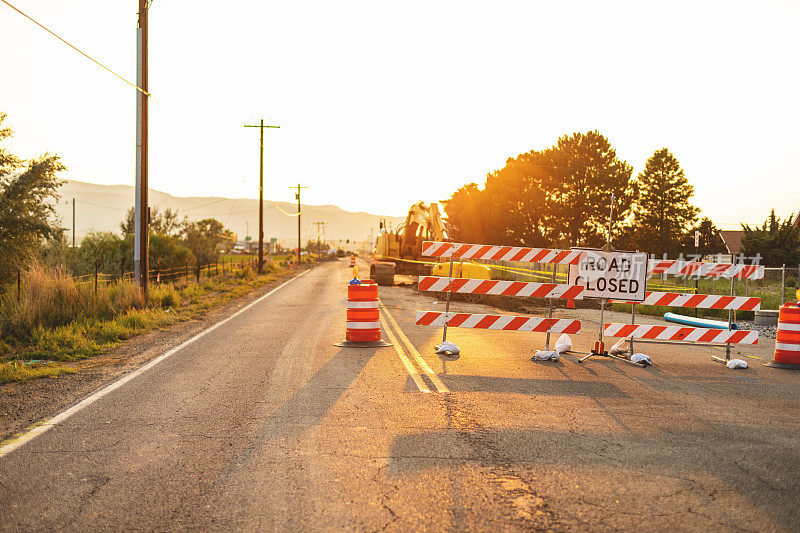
(186, 269)
(121, 269)
(95, 277)
(198, 271)
(19, 284)
(783, 285)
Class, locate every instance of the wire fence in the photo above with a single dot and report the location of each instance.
(158, 275)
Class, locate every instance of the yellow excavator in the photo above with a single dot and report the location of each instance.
(399, 251)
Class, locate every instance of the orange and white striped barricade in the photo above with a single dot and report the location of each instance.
(787, 340)
(449, 285)
(682, 335)
(352, 260)
(706, 270)
(503, 322)
(363, 317)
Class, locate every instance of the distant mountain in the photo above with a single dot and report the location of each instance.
(102, 208)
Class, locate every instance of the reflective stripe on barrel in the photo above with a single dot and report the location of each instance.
(787, 339)
(363, 316)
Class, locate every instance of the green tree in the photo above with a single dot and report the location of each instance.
(104, 248)
(663, 214)
(582, 171)
(203, 238)
(464, 220)
(167, 251)
(167, 222)
(28, 192)
(776, 241)
(515, 200)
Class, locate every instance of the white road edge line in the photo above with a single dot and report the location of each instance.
(37, 429)
(406, 363)
(417, 357)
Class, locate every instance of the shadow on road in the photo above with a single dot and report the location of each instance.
(310, 403)
(555, 387)
(760, 466)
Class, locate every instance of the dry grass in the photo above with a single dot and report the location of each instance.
(21, 371)
(50, 299)
(57, 321)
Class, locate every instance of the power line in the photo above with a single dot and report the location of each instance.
(76, 49)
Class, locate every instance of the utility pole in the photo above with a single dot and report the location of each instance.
(297, 197)
(73, 223)
(260, 194)
(141, 208)
(319, 249)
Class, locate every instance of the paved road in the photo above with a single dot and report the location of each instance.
(263, 424)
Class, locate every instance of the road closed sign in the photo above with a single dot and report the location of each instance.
(611, 275)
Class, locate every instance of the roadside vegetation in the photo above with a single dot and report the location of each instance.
(60, 304)
(55, 321)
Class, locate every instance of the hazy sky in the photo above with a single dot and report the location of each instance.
(382, 104)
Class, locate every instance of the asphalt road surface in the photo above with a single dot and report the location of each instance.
(263, 424)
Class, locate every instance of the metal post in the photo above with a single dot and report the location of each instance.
(783, 285)
(602, 313)
(73, 223)
(447, 301)
(550, 311)
(633, 322)
(730, 320)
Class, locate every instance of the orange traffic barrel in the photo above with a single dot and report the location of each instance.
(352, 260)
(363, 317)
(787, 341)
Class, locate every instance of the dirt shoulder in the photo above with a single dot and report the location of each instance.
(23, 404)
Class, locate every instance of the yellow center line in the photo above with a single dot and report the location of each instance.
(406, 363)
(440, 387)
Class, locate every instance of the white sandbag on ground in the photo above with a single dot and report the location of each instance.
(545, 355)
(618, 348)
(563, 344)
(641, 358)
(736, 363)
(447, 348)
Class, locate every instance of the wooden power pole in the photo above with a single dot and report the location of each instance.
(141, 209)
(297, 197)
(260, 194)
(319, 248)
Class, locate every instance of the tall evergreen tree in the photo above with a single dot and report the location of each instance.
(777, 242)
(583, 172)
(663, 214)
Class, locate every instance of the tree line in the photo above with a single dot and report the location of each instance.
(561, 197)
(30, 231)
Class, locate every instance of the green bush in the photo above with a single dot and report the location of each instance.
(164, 296)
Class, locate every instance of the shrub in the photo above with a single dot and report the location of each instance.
(50, 298)
(164, 296)
(246, 273)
